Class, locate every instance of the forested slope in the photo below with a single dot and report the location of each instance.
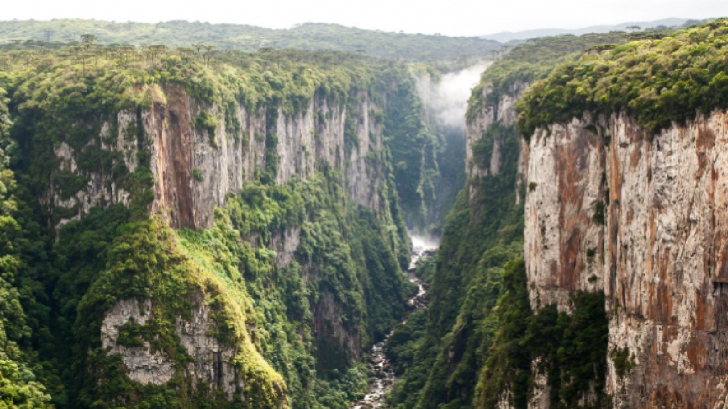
(473, 345)
(19, 308)
(192, 229)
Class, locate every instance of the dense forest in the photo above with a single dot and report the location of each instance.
(198, 216)
(63, 274)
(479, 336)
(333, 37)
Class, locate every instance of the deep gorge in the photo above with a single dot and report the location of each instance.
(226, 229)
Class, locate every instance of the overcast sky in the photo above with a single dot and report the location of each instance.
(448, 17)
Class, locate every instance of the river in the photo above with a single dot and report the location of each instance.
(380, 369)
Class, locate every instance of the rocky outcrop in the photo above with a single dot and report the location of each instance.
(563, 239)
(541, 394)
(211, 362)
(644, 218)
(143, 364)
(502, 111)
(195, 169)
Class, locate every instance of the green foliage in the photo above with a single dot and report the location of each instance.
(107, 257)
(197, 174)
(414, 149)
(508, 366)
(655, 81)
(208, 123)
(483, 148)
(535, 59)
(481, 234)
(570, 348)
(623, 361)
(19, 387)
(127, 79)
(67, 183)
(145, 260)
(248, 38)
(599, 212)
(573, 350)
(69, 108)
(351, 139)
(130, 334)
(474, 349)
(349, 257)
(451, 177)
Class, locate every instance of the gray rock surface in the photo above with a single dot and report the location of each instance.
(660, 254)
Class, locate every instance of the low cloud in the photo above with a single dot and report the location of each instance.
(447, 99)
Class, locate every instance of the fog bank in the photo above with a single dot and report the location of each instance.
(447, 99)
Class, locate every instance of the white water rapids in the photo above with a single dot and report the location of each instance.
(379, 366)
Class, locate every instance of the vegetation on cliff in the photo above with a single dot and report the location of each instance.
(566, 350)
(656, 81)
(477, 342)
(536, 58)
(287, 350)
(414, 151)
(19, 244)
(95, 83)
(481, 234)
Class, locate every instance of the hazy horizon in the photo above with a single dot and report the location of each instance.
(457, 18)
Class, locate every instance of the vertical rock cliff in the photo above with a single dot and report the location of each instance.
(628, 200)
(217, 232)
(640, 219)
(487, 344)
(194, 167)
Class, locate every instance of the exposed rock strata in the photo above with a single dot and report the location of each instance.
(143, 365)
(192, 176)
(211, 362)
(505, 113)
(660, 254)
(194, 172)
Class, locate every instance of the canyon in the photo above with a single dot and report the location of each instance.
(378, 364)
(314, 229)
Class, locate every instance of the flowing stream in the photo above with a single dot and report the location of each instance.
(379, 366)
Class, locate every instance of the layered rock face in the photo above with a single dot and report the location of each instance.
(501, 112)
(562, 240)
(504, 112)
(213, 362)
(643, 218)
(195, 169)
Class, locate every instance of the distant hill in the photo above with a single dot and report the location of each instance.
(507, 36)
(310, 36)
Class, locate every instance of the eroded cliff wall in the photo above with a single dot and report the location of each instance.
(627, 197)
(194, 167)
(216, 232)
(641, 216)
(502, 111)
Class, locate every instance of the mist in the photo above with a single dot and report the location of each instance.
(424, 242)
(447, 99)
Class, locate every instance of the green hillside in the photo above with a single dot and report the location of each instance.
(333, 37)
